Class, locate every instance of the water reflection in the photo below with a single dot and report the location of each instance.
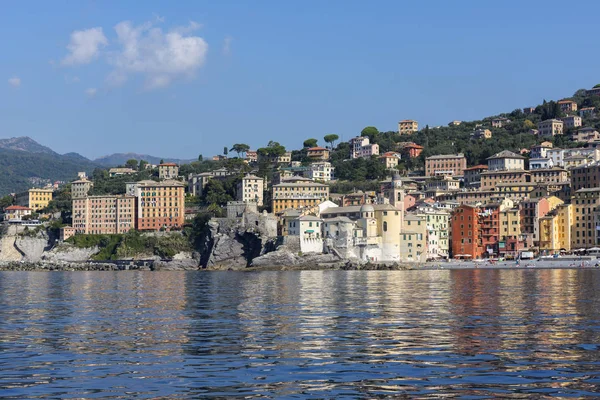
(299, 334)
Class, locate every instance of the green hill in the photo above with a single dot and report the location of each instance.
(20, 170)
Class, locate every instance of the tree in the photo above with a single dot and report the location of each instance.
(142, 165)
(527, 124)
(6, 201)
(162, 161)
(371, 132)
(200, 158)
(331, 138)
(225, 151)
(132, 163)
(310, 143)
(240, 148)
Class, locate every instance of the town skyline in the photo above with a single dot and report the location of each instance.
(74, 89)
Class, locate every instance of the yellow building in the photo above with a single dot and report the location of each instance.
(407, 127)
(296, 195)
(586, 203)
(510, 223)
(36, 199)
(555, 229)
(413, 239)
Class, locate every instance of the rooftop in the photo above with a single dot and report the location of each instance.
(476, 167)
(506, 154)
(443, 156)
(17, 208)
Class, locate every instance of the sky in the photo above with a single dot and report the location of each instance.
(183, 78)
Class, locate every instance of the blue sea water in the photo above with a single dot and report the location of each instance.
(309, 334)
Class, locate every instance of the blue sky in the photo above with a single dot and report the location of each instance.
(178, 79)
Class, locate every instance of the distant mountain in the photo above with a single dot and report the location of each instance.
(121, 158)
(21, 169)
(25, 143)
(76, 156)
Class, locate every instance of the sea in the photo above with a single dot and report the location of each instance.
(300, 334)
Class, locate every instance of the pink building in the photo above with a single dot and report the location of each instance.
(360, 147)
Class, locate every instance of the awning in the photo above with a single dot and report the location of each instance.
(310, 231)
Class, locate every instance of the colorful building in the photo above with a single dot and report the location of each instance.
(160, 205)
(103, 215)
(36, 199)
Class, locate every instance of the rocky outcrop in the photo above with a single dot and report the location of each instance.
(69, 253)
(231, 244)
(32, 247)
(284, 257)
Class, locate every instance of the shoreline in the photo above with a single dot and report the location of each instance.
(336, 266)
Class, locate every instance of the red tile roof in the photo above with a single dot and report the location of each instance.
(168, 164)
(15, 208)
(318, 148)
(480, 166)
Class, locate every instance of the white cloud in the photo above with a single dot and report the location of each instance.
(91, 92)
(14, 81)
(227, 45)
(85, 46)
(157, 56)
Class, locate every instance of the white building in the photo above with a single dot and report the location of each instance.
(250, 189)
(541, 163)
(308, 230)
(360, 147)
(506, 161)
(320, 171)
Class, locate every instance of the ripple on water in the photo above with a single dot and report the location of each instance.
(313, 334)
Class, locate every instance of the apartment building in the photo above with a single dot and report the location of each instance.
(413, 239)
(437, 221)
(540, 150)
(160, 205)
(390, 159)
(587, 112)
(412, 150)
(555, 230)
(361, 147)
(585, 176)
(549, 175)
(250, 189)
(167, 171)
(567, 106)
(584, 231)
(120, 171)
(80, 188)
(448, 164)
(489, 179)
(320, 171)
(472, 175)
(512, 242)
(467, 240)
(500, 122)
(104, 215)
(550, 127)
(506, 161)
(407, 127)
(481, 133)
(571, 121)
(297, 195)
(586, 135)
(251, 156)
(36, 199)
(318, 153)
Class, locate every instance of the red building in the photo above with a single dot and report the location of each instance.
(413, 150)
(467, 241)
(490, 229)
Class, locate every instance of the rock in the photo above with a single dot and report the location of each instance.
(32, 248)
(67, 252)
(176, 265)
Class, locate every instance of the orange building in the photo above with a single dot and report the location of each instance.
(160, 205)
(413, 150)
(466, 232)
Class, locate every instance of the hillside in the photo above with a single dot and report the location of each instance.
(25, 143)
(20, 170)
(121, 158)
